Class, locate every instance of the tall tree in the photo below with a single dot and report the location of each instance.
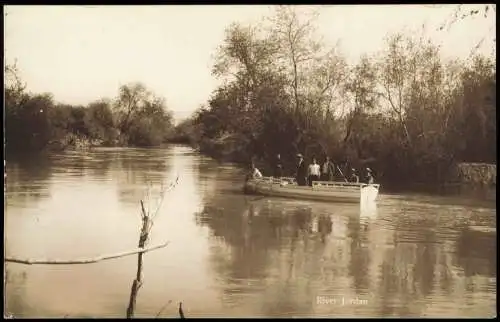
(294, 34)
(362, 89)
(130, 101)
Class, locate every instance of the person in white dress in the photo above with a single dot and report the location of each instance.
(314, 172)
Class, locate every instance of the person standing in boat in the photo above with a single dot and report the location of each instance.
(354, 177)
(328, 170)
(313, 172)
(369, 176)
(301, 171)
(278, 167)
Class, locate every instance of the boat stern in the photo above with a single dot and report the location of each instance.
(369, 193)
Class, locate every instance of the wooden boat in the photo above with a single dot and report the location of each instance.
(331, 191)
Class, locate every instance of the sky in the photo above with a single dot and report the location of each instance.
(83, 53)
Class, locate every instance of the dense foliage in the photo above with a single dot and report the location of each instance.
(405, 111)
(34, 122)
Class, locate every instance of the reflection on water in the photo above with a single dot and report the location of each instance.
(231, 254)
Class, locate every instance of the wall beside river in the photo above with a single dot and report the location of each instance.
(475, 174)
(473, 177)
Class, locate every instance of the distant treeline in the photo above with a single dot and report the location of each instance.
(34, 122)
(404, 112)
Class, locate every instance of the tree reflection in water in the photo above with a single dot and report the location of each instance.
(282, 246)
(360, 254)
(28, 179)
(15, 283)
(400, 260)
(476, 249)
(138, 169)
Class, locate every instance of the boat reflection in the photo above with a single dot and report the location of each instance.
(282, 251)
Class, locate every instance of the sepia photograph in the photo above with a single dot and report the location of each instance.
(250, 161)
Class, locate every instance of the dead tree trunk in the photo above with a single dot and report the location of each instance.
(138, 279)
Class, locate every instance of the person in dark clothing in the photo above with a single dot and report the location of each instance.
(328, 170)
(369, 176)
(354, 177)
(301, 171)
(278, 167)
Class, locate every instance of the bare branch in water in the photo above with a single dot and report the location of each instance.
(162, 194)
(83, 260)
(147, 224)
(143, 211)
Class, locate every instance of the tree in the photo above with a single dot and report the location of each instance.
(244, 54)
(14, 87)
(362, 89)
(402, 66)
(296, 46)
(31, 129)
(325, 83)
(487, 11)
(460, 13)
(237, 108)
(142, 117)
(305, 64)
(100, 122)
(129, 102)
(478, 104)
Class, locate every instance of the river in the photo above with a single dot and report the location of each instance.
(231, 254)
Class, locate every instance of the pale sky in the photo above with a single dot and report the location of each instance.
(83, 53)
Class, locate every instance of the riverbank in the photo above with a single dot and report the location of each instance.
(82, 143)
(73, 141)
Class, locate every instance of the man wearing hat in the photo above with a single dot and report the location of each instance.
(354, 177)
(301, 170)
